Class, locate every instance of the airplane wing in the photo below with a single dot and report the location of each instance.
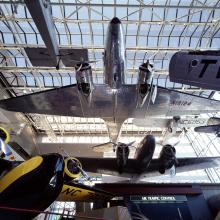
(215, 129)
(152, 122)
(106, 104)
(174, 103)
(108, 166)
(189, 164)
(66, 101)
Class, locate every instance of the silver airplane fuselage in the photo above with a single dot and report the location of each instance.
(114, 55)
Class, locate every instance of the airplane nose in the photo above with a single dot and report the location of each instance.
(115, 20)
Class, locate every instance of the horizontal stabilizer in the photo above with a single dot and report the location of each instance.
(69, 57)
(165, 122)
(199, 68)
(151, 122)
(208, 129)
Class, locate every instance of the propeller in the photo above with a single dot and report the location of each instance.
(168, 159)
(79, 63)
(83, 173)
(126, 145)
(172, 170)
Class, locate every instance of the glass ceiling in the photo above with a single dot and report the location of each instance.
(153, 30)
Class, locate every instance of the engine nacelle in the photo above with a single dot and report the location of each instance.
(167, 158)
(84, 78)
(122, 154)
(72, 168)
(145, 77)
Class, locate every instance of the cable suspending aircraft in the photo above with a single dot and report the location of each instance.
(114, 101)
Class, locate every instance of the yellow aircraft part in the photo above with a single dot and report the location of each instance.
(78, 193)
(66, 170)
(19, 171)
(7, 135)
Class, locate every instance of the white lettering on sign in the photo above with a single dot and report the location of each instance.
(158, 198)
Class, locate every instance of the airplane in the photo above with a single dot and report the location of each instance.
(212, 127)
(143, 164)
(35, 183)
(196, 68)
(114, 101)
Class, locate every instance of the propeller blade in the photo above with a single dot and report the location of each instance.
(131, 143)
(106, 147)
(85, 61)
(79, 67)
(172, 171)
(84, 174)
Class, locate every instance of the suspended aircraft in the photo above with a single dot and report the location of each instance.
(114, 101)
(35, 183)
(143, 165)
(196, 68)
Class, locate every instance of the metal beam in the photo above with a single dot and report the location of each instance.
(101, 48)
(174, 6)
(105, 134)
(39, 70)
(41, 14)
(94, 21)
